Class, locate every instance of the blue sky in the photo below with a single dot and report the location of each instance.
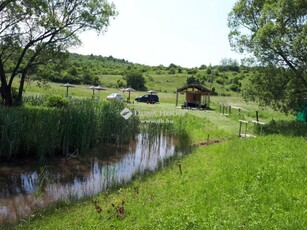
(153, 32)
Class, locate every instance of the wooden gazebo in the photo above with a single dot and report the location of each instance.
(197, 96)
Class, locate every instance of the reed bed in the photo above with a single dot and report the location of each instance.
(176, 126)
(42, 131)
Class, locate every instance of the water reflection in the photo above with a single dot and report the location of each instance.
(21, 195)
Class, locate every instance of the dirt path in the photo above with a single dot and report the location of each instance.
(210, 142)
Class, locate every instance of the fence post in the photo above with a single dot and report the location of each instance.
(240, 129)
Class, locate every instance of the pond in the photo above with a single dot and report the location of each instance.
(26, 187)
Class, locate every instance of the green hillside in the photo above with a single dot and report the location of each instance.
(110, 72)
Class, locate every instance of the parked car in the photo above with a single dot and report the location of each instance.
(148, 98)
(115, 96)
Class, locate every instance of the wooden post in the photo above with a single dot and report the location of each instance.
(208, 100)
(179, 166)
(176, 97)
(240, 129)
(257, 119)
(256, 123)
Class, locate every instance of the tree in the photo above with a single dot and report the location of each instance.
(192, 79)
(36, 32)
(172, 66)
(135, 80)
(274, 32)
(276, 87)
(172, 71)
(229, 64)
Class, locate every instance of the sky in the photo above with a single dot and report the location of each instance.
(188, 33)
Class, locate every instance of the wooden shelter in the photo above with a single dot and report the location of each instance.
(196, 96)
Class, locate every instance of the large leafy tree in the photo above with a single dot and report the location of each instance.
(135, 80)
(274, 32)
(36, 32)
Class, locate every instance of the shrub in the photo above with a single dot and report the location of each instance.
(56, 101)
(220, 81)
(135, 80)
(235, 87)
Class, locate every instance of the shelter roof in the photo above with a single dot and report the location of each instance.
(200, 88)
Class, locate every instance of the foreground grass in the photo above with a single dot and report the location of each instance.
(257, 183)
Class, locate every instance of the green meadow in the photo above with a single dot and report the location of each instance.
(238, 183)
(256, 183)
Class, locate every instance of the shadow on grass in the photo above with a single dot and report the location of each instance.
(286, 128)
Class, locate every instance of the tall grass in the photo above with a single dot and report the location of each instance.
(78, 128)
(42, 131)
(286, 128)
(174, 126)
(11, 123)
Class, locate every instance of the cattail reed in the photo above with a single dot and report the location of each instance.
(42, 131)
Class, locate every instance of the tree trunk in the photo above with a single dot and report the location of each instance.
(21, 86)
(6, 94)
(5, 89)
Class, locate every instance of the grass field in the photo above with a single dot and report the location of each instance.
(241, 183)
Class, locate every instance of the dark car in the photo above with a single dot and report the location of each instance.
(148, 98)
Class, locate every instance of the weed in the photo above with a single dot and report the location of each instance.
(98, 209)
(119, 209)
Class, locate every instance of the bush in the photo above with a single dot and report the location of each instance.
(192, 71)
(192, 79)
(56, 101)
(172, 71)
(235, 87)
(34, 100)
(220, 81)
(135, 80)
(214, 92)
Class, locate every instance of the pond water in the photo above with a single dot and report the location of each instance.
(26, 187)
